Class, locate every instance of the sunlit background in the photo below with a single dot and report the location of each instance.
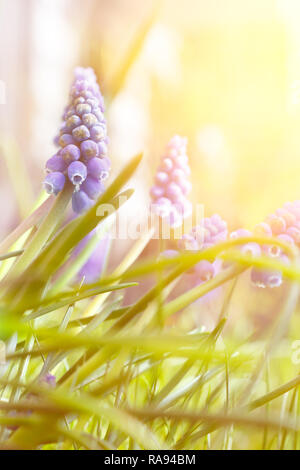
(226, 73)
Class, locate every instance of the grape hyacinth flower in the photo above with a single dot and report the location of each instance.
(172, 185)
(82, 141)
(285, 226)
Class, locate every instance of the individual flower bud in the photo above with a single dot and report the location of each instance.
(252, 249)
(92, 187)
(205, 270)
(70, 153)
(173, 191)
(80, 202)
(262, 278)
(157, 191)
(56, 163)
(65, 139)
(54, 182)
(92, 102)
(83, 108)
(73, 121)
(166, 164)
(89, 119)
(81, 133)
(77, 172)
(79, 100)
(69, 111)
(98, 168)
(89, 149)
(161, 178)
(97, 133)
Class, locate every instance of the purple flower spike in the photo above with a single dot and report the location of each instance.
(171, 183)
(54, 182)
(92, 187)
(82, 138)
(56, 163)
(80, 202)
(77, 173)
